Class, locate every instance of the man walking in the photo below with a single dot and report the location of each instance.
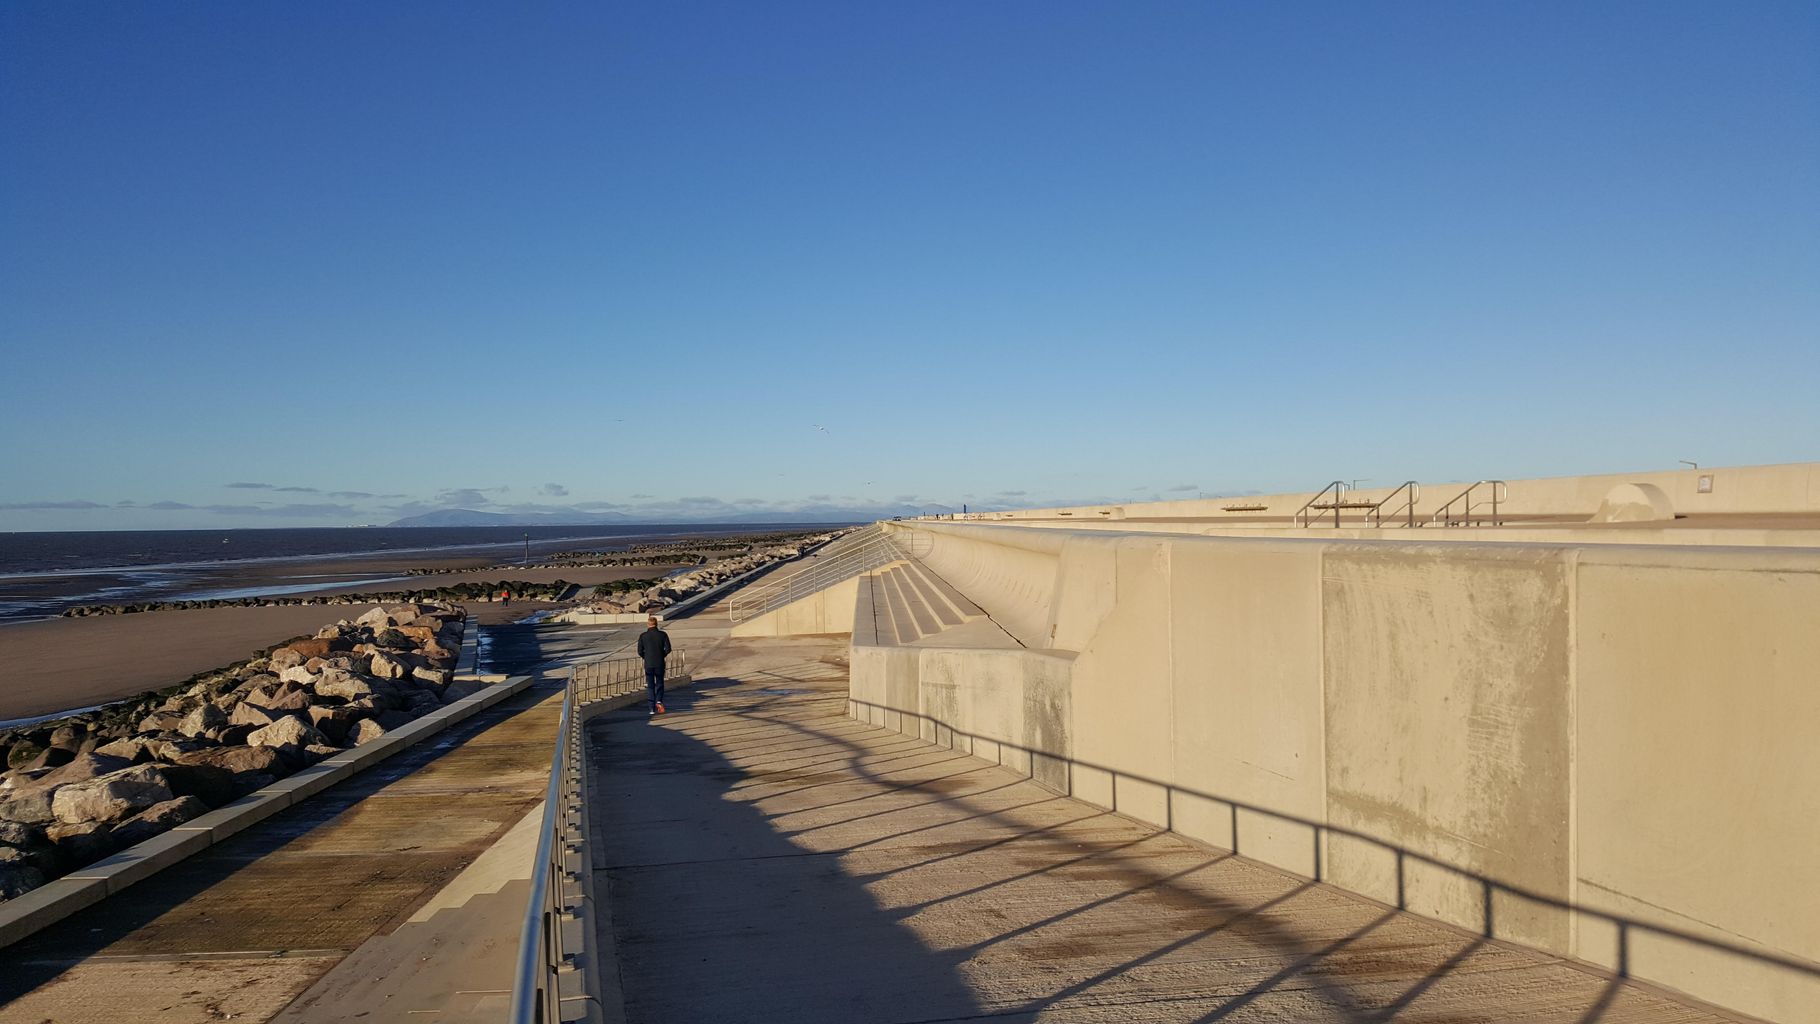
(654, 647)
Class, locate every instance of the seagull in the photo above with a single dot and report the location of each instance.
(819, 427)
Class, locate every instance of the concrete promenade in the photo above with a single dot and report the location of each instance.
(396, 895)
(767, 858)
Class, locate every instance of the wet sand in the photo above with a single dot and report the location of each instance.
(60, 664)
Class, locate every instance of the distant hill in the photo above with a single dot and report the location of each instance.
(469, 517)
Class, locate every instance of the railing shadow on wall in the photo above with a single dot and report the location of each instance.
(1321, 833)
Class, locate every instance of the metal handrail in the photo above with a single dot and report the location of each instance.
(875, 551)
(1445, 515)
(1376, 515)
(543, 956)
(1338, 488)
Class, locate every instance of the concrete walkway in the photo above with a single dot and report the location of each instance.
(767, 858)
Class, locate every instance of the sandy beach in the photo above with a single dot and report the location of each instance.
(60, 664)
(70, 663)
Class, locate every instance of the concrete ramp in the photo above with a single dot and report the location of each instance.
(769, 859)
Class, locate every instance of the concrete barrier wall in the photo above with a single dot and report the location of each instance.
(825, 611)
(1492, 735)
(1792, 487)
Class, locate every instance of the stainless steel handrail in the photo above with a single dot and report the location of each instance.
(1445, 515)
(1338, 488)
(543, 955)
(874, 551)
(1376, 515)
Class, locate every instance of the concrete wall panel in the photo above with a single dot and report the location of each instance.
(1699, 718)
(1447, 720)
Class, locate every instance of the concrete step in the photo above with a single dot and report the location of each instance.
(926, 620)
(902, 622)
(967, 610)
(945, 614)
(884, 625)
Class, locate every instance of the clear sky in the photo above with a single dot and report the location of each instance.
(368, 259)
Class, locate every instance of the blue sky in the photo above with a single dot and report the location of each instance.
(386, 257)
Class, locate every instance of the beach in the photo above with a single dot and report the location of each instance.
(54, 665)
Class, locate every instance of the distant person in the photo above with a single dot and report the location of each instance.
(654, 647)
(505, 598)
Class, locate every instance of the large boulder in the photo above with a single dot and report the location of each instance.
(362, 731)
(111, 797)
(83, 842)
(297, 674)
(334, 722)
(389, 666)
(433, 676)
(20, 833)
(376, 619)
(208, 783)
(51, 757)
(160, 817)
(162, 721)
(285, 657)
(286, 696)
(131, 748)
(84, 767)
(205, 718)
(30, 806)
(343, 686)
(239, 760)
(421, 634)
(289, 731)
(318, 647)
(17, 879)
(256, 715)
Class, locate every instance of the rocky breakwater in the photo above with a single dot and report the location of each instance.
(684, 585)
(80, 788)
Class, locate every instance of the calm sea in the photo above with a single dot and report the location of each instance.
(43, 573)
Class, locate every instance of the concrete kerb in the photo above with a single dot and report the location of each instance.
(56, 900)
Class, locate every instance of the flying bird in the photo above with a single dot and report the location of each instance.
(819, 427)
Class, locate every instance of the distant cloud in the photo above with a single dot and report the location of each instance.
(554, 490)
(299, 490)
(645, 497)
(465, 497)
(358, 494)
(821, 497)
(1185, 487)
(1012, 494)
(906, 498)
(23, 505)
(251, 487)
(304, 511)
(168, 505)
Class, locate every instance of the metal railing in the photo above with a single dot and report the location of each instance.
(555, 940)
(1332, 498)
(1458, 509)
(866, 550)
(1411, 493)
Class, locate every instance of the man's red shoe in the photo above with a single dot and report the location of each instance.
(660, 710)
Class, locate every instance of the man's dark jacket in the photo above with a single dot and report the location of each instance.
(653, 646)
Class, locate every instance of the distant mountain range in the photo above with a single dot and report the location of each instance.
(469, 517)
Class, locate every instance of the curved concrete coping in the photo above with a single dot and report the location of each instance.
(56, 900)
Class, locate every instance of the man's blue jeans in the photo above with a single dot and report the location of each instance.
(654, 686)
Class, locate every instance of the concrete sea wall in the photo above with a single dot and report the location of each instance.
(1612, 753)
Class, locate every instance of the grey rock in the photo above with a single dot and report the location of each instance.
(160, 817)
(289, 731)
(18, 879)
(20, 833)
(256, 715)
(363, 731)
(433, 676)
(83, 842)
(388, 666)
(131, 749)
(203, 719)
(343, 685)
(111, 797)
(238, 760)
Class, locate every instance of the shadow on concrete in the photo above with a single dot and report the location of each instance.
(718, 916)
